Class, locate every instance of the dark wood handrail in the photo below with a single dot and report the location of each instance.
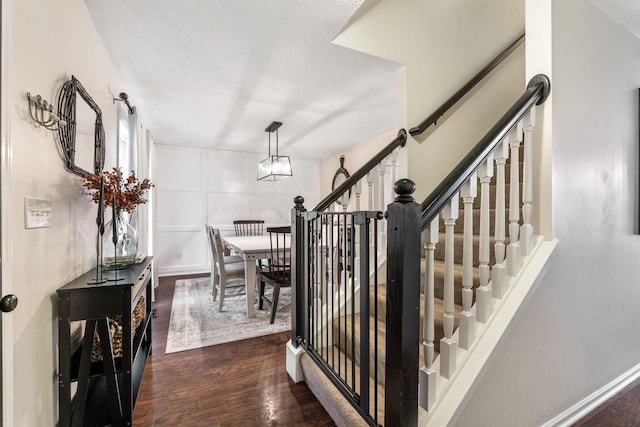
(537, 92)
(399, 141)
(433, 118)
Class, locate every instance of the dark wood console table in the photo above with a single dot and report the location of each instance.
(106, 389)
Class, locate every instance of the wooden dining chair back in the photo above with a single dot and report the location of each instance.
(227, 272)
(278, 272)
(249, 227)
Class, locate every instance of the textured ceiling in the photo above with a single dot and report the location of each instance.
(216, 73)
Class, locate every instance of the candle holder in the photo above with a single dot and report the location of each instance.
(100, 223)
(114, 240)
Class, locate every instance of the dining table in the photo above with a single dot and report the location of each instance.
(251, 249)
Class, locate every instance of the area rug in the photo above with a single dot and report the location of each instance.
(196, 322)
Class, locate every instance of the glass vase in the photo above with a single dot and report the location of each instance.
(122, 254)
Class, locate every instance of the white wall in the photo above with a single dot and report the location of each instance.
(197, 186)
(45, 43)
(443, 44)
(357, 156)
(579, 331)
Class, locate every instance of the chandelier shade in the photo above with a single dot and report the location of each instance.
(274, 167)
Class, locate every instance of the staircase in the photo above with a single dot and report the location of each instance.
(351, 337)
(448, 304)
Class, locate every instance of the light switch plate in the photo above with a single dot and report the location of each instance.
(37, 212)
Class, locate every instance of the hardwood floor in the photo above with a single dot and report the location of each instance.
(622, 410)
(243, 383)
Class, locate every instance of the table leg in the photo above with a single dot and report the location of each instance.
(250, 278)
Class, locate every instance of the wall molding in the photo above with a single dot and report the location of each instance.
(595, 399)
(183, 270)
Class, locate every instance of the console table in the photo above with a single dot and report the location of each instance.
(107, 376)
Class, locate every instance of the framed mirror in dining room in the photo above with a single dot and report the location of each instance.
(341, 175)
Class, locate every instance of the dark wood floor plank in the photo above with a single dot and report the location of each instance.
(622, 410)
(215, 386)
(243, 383)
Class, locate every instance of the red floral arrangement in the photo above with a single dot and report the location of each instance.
(128, 192)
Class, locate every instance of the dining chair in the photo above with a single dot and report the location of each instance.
(234, 265)
(278, 272)
(231, 276)
(249, 227)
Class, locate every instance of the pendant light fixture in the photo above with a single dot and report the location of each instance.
(274, 167)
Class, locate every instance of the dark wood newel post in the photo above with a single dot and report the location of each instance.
(403, 307)
(297, 254)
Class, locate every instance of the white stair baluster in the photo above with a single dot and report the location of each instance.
(467, 329)
(526, 230)
(358, 190)
(382, 232)
(370, 194)
(448, 344)
(483, 293)
(394, 163)
(381, 171)
(513, 250)
(499, 270)
(427, 373)
(372, 237)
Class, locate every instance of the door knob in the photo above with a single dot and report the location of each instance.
(8, 303)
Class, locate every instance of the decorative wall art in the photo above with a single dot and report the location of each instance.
(82, 139)
(341, 176)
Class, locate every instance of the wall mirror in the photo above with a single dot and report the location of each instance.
(82, 139)
(341, 176)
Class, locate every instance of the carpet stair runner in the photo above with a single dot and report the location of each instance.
(346, 343)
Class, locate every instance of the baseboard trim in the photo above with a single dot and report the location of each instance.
(181, 270)
(595, 399)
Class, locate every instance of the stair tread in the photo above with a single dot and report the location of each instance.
(346, 343)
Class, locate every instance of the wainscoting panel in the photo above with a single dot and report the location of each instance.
(179, 209)
(178, 169)
(197, 186)
(180, 250)
(230, 171)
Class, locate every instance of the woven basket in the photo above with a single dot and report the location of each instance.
(115, 332)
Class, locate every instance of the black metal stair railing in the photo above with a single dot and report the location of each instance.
(339, 259)
(447, 195)
(432, 119)
(536, 93)
(336, 293)
(335, 277)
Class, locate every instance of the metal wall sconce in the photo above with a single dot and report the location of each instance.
(125, 98)
(274, 167)
(41, 112)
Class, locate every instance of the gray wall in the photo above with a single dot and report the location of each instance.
(579, 331)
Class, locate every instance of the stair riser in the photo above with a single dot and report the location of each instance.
(458, 249)
(346, 345)
(342, 337)
(459, 227)
(438, 286)
(492, 196)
